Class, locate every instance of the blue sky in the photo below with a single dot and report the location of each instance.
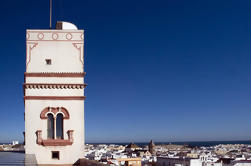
(163, 70)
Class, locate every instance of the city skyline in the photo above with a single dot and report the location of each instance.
(162, 70)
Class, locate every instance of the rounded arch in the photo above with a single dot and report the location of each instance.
(65, 113)
(54, 111)
(43, 114)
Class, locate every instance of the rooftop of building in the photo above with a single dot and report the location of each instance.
(132, 145)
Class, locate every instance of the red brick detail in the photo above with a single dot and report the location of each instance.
(39, 137)
(53, 86)
(44, 112)
(54, 110)
(54, 142)
(54, 74)
(54, 97)
(65, 112)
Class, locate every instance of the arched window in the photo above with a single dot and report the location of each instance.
(50, 129)
(59, 126)
(55, 117)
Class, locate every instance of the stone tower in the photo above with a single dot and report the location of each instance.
(54, 94)
(151, 147)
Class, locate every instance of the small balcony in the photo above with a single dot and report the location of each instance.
(54, 142)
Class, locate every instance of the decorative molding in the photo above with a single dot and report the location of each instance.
(54, 142)
(54, 111)
(78, 46)
(39, 137)
(55, 74)
(68, 36)
(35, 36)
(54, 35)
(43, 114)
(29, 47)
(54, 30)
(40, 36)
(82, 36)
(53, 86)
(54, 97)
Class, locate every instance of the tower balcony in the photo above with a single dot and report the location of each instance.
(54, 142)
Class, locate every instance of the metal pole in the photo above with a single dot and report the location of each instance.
(50, 12)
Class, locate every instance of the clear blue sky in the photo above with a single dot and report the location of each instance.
(170, 70)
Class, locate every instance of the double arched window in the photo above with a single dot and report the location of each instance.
(55, 118)
(55, 126)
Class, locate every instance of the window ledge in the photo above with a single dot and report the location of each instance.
(54, 142)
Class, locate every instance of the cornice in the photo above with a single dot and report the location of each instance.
(82, 74)
(54, 97)
(53, 86)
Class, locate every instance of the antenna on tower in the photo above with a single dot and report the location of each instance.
(50, 12)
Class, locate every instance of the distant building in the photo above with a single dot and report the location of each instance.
(132, 147)
(192, 155)
(142, 153)
(14, 142)
(129, 161)
(54, 94)
(151, 147)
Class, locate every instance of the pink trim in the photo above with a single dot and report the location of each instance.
(54, 111)
(40, 36)
(54, 142)
(54, 97)
(65, 112)
(68, 36)
(54, 36)
(39, 137)
(53, 86)
(82, 74)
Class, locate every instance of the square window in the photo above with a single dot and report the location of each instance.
(55, 155)
(48, 61)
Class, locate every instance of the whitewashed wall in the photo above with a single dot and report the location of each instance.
(65, 49)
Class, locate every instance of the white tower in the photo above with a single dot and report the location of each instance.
(54, 94)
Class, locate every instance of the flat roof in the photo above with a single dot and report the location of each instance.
(17, 158)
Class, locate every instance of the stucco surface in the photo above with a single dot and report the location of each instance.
(65, 49)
